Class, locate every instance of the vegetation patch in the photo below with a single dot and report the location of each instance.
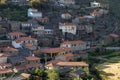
(111, 71)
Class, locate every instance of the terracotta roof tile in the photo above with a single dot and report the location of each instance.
(6, 64)
(114, 35)
(25, 75)
(67, 24)
(16, 33)
(72, 64)
(20, 67)
(54, 61)
(50, 65)
(55, 50)
(26, 23)
(66, 14)
(28, 45)
(33, 65)
(73, 42)
(39, 19)
(5, 71)
(30, 58)
(69, 56)
(10, 49)
(25, 39)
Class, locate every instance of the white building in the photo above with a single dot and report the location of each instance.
(48, 31)
(66, 16)
(68, 28)
(38, 30)
(34, 13)
(95, 4)
(20, 42)
(75, 45)
(15, 35)
(26, 26)
(3, 58)
(67, 2)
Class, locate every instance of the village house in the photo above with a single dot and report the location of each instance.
(14, 25)
(26, 27)
(3, 30)
(52, 52)
(21, 42)
(33, 62)
(95, 4)
(66, 16)
(14, 35)
(75, 45)
(68, 28)
(10, 51)
(48, 32)
(67, 57)
(67, 2)
(34, 13)
(99, 13)
(84, 28)
(83, 19)
(3, 58)
(37, 30)
(42, 20)
(5, 67)
(52, 64)
(111, 38)
(27, 63)
(63, 64)
(78, 74)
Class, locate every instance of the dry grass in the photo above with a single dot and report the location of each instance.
(110, 70)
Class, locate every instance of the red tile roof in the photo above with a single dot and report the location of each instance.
(73, 42)
(114, 35)
(20, 67)
(67, 24)
(55, 50)
(5, 71)
(3, 54)
(50, 65)
(33, 65)
(25, 39)
(66, 14)
(69, 56)
(16, 33)
(31, 58)
(6, 64)
(26, 23)
(54, 61)
(72, 64)
(10, 49)
(28, 45)
(39, 19)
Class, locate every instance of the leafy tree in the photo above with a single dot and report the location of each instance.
(36, 3)
(38, 72)
(53, 74)
(77, 79)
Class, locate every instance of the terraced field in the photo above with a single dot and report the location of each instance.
(111, 71)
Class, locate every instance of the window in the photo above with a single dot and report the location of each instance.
(72, 28)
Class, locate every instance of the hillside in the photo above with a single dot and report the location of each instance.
(115, 7)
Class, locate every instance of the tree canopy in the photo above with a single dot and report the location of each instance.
(36, 3)
(53, 74)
